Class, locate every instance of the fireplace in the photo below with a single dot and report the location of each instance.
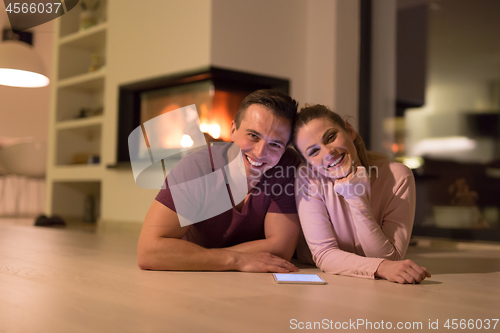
(214, 92)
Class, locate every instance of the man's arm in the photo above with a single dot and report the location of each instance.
(160, 247)
(282, 232)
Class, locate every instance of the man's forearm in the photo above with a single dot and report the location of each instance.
(178, 254)
(265, 245)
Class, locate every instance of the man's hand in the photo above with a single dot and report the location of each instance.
(262, 263)
(405, 271)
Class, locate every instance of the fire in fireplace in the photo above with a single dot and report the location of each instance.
(216, 109)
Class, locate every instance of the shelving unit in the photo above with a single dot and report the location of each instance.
(93, 81)
(92, 38)
(74, 172)
(78, 143)
(79, 123)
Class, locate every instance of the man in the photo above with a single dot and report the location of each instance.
(258, 234)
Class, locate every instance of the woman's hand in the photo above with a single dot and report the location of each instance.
(404, 271)
(354, 185)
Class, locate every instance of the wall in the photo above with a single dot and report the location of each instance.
(320, 53)
(145, 41)
(266, 37)
(332, 56)
(24, 112)
(304, 41)
(346, 55)
(383, 74)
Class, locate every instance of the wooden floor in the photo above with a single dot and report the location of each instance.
(57, 280)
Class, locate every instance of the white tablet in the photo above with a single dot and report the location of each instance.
(298, 278)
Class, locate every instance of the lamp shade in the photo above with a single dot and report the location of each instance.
(20, 66)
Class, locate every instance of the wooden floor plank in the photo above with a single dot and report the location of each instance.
(56, 280)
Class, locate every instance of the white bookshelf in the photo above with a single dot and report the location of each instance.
(79, 123)
(93, 81)
(92, 38)
(75, 88)
(75, 173)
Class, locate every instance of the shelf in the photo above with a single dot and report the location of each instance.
(77, 172)
(89, 81)
(79, 123)
(77, 199)
(77, 144)
(75, 141)
(92, 38)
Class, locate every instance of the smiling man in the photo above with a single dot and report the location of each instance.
(259, 232)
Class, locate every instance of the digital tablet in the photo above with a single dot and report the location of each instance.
(298, 278)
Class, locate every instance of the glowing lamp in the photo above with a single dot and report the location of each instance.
(20, 66)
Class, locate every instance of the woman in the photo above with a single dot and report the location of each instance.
(356, 207)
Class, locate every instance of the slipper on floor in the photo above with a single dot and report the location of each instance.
(44, 221)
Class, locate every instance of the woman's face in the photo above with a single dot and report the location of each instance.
(328, 148)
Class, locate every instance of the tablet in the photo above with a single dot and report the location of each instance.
(298, 278)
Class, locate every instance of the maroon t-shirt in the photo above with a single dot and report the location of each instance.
(275, 193)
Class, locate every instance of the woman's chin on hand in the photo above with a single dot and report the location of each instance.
(354, 185)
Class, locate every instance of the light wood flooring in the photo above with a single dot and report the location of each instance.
(67, 280)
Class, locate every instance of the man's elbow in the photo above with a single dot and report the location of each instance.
(286, 255)
(285, 252)
(284, 247)
(144, 257)
(142, 261)
(143, 266)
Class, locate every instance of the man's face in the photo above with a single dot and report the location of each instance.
(262, 138)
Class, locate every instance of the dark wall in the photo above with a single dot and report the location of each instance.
(411, 56)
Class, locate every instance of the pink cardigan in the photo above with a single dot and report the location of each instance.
(352, 234)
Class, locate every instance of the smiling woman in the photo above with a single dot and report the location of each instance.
(355, 222)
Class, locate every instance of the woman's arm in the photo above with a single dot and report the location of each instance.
(322, 239)
(389, 240)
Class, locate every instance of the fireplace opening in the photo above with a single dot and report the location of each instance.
(209, 97)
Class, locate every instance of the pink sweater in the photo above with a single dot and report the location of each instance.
(352, 234)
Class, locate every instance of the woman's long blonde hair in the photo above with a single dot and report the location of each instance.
(310, 112)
